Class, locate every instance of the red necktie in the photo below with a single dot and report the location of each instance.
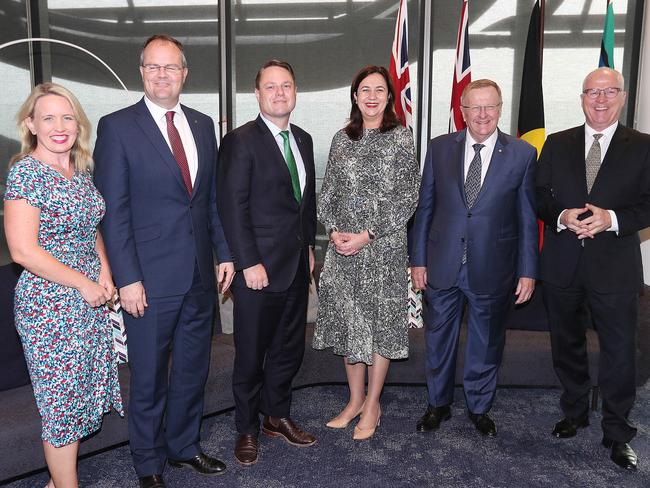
(178, 150)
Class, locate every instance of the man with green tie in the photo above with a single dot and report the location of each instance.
(266, 185)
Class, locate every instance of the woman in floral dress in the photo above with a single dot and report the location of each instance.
(52, 210)
(369, 192)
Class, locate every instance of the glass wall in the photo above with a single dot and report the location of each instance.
(497, 38)
(327, 42)
(16, 85)
(114, 31)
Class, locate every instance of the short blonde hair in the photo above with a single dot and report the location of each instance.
(80, 154)
(483, 83)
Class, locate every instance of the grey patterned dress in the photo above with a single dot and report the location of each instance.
(372, 184)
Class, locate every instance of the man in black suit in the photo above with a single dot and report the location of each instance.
(593, 194)
(266, 189)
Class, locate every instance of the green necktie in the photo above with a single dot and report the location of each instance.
(291, 164)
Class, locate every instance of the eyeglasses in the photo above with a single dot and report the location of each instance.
(476, 109)
(610, 92)
(172, 69)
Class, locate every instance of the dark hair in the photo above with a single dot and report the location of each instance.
(354, 129)
(274, 62)
(163, 38)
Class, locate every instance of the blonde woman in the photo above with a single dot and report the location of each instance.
(51, 214)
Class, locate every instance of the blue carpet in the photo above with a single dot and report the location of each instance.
(524, 454)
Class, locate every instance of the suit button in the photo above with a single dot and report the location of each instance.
(191, 231)
(191, 206)
(469, 215)
(462, 239)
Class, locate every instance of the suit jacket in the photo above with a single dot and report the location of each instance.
(262, 220)
(622, 185)
(500, 230)
(154, 230)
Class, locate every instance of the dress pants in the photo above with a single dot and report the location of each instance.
(484, 346)
(269, 333)
(166, 405)
(614, 316)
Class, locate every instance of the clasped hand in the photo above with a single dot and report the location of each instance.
(349, 243)
(97, 293)
(599, 221)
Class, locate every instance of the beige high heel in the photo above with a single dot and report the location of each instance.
(341, 423)
(361, 434)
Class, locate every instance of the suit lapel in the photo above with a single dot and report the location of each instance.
(577, 161)
(307, 162)
(457, 153)
(197, 133)
(152, 132)
(498, 164)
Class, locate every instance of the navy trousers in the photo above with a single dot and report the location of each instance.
(484, 346)
(166, 405)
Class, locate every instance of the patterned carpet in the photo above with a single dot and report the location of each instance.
(523, 454)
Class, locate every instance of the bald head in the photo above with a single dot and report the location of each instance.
(609, 73)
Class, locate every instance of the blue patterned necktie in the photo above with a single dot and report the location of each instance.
(473, 180)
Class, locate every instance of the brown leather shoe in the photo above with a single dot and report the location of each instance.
(275, 427)
(246, 449)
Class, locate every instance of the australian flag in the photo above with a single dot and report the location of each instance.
(462, 72)
(399, 68)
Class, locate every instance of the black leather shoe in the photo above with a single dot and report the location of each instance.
(432, 418)
(153, 481)
(201, 463)
(622, 454)
(567, 427)
(484, 424)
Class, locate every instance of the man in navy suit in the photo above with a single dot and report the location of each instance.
(267, 205)
(593, 194)
(156, 168)
(474, 241)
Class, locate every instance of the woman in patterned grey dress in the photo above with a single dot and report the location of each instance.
(369, 192)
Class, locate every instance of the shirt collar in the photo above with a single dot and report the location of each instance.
(158, 112)
(607, 133)
(275, 130)
(489, 143)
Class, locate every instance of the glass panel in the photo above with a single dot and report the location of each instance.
(326, 42)
(498, 30)
(16, 85)
(114, 30)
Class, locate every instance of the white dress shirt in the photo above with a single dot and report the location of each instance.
(486, 153)
(300, 165)
(604, 142)
(183, 127)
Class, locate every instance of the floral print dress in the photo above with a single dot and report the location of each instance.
(67, 343)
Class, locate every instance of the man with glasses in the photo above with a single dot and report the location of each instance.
(156, 168)
(474, 241)
(593, 193)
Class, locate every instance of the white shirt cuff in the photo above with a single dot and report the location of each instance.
(614, 227)
(560, 226)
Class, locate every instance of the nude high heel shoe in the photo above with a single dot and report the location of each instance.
(339, 422)
(361, 434)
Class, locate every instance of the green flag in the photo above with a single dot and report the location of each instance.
(607, 44)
